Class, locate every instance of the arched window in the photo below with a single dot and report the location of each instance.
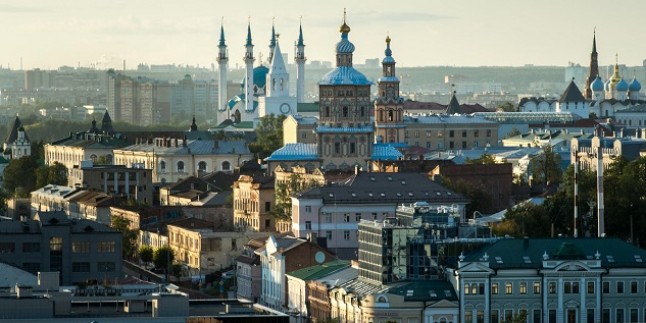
(226, 165)
(327, 111)
(345, 112)
(201, 166)
(162, 165)
(180, 167)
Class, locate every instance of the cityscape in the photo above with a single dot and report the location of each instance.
(339, 164)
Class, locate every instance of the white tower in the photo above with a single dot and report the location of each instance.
(300, 66)
(223, 60)
(277, 78)
(248, 59)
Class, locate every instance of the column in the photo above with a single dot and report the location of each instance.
(583, 289)
(559, 308)
(598, 290)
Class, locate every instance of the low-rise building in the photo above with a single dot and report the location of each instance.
(133, 183)
(78, 249)
(253, 200)
(552, 280)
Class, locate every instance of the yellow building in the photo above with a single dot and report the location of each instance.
(253, 199)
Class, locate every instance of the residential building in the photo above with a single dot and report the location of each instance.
(552, 280)
(79, 249)
(334, 211)
(52, 197)
(299, 129)
(192, 190)
(450, 132)
(173, 159)
(204, 246)
(253, 200)
(282, 255)
(334, 272)
(132, 183)
(248, 275)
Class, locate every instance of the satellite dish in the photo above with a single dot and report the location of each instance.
(319, 256)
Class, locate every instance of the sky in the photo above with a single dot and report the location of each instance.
(48, 34)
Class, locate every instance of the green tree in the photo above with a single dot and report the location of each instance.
(129, 241)
(486, 159)
(506, 107)
(480, 199)
(269, 136)
(146, 254)
(163, 257)
(546, 169)
(283, 193)
(20, 176)
(513, 133)
(53, 174)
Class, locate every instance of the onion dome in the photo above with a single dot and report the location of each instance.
(259, 77)
(597, 84)
(389, 53)
(344, 46)
(634, 85)
(622, 86)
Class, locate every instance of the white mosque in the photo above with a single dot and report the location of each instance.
(264, 90)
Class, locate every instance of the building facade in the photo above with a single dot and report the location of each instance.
(253, 200)
(79, 250)
(133, 183)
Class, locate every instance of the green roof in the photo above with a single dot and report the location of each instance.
(425, 290)
(320, 271)
(307, 107)
(3, 160)
(528, 253)
(244, 124)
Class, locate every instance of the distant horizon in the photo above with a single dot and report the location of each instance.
(425, 33)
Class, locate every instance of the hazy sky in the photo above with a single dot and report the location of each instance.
(47, 33)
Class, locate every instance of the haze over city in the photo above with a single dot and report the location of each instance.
(48, 34)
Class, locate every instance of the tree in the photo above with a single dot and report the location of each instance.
(485, 159)
(547, 168)
(146, 254)
(513, 133)
(20, 176)
(129, 240)
(506, 107)
(163, 257)
(269, 136)
(480, 199)
(283, 193)
(54, 174)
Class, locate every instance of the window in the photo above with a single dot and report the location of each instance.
(352, 147)
(7, 247)
(201, 166)
(106, 246)
(523, 288)
(180, 167)
(590, 315)
(357, 217)
(467, 289)
(464, 133)
(633, 287)
(80, 246)
(495, 316)
(267, 206)
(552, 288)
(308, 209)
(606, 287)
(337, 147)
(464, 145)
(476, 133)
(106, 266)
(468, 316)
(619, 315)
(347, 217)
(537, 316)
(226, 165)
(346, 235)
(590, 287)
(481, 290)
(345, 112)
(80, 267)
(620, 287)
(552, 316)
(28, 247)
(567, 288)
(328, 235)
(488, 133)
(634, 315)
(480, 316)
(474, 289)
(509, 314)
(308, 225)
(451, 133)
(56, 244)
(328, 217)
(605, 315)
(537, 287)
(494, 289)
(575, 287)
(508, 288)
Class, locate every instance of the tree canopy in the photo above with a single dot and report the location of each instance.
(163, 257)
(269, 136)
(20, 176)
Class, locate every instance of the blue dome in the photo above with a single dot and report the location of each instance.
(344, 46)
(622, 86)
(344, 75)
(388, 59)
(597, 85)
(634, 85)
(259, 77)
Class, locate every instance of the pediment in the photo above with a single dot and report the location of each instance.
(443, 303)
(475, 267)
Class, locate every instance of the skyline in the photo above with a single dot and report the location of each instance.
(47, 35)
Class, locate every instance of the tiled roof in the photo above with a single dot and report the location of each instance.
(446, 119)
(196, 147)
(529, 253)
(425, 290)
(295, 151)
(385, 152)
(572, 94)
(384, 188)
(319, 271)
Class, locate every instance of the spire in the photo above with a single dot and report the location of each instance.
(272, 43)
(594, 40)
(454, 106)
(300, 34)
(222, 43)
(193, 125)
(106, 123)
(249, 35)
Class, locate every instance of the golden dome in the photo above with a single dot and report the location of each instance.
(344, 28)
(388, 39)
